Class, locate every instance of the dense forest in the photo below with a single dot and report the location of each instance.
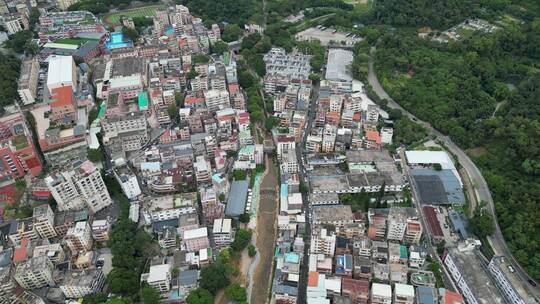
(230, 11)
(9, 74)
(483, 91)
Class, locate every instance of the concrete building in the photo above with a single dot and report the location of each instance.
(397, 224)
(507, 280)
(100, 230)
(124, 132)
(203, 169)
(196, 239)
(403, 294)
(216, 100)
(79, 238)
(62, 72)
(128, 182)
(34, 273)
(79, 283)
(222, 232)
(44, 221)
(63, 107)
(159, 277)
(54, 252)
(15, 22)
(336, 215)
(323, 243)
(381, 294)
(82, 186)
(28, 79)
(338, 76)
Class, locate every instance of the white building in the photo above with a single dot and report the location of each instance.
(79, 238)
(34, 273)
(381, 294)
(44, 221)
(195, 239)
(397, 224)
(128, 182)
(222, 232)
(386, 135)
(203, 169)
(79, 283)
(159, 277)
(28, 79)
(167, 214)
(84, 185)
(403, 294)
(503, 274)
(62, 72)
(216, 100)
(323, 243)
(289, 163)
(100, 230)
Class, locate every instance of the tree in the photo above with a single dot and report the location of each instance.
(314, 77)
(271, 122)
(437, 167)
(245, 79)
(241, 239)
(96, 298)
(179, 99)
(220, 47)
(231, 33)
(214, 277)
(149, 295)
(252, 251)
(200, 58)
(130, 33)
(192, 74)
(239, 175)
(33, 17)
(200, 296)
(236, 293)
(95, 155)
(482, 222)
(172, 110)
(221, 197)
(244, 218)
(20, 41)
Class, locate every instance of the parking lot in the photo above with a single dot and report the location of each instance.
(328, 35)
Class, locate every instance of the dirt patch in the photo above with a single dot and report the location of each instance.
(477, 152)
(266, 235)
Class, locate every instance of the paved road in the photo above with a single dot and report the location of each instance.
(304, 267)
(480, 185)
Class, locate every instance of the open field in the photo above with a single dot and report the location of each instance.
(114, 18)
(326, 36)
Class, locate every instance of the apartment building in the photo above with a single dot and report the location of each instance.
(100, 230)
(54, 252)
(15, 22)
(222, 232)
(22, 229)
(403, 294)
(79, 283)
(124, 132)
(397, 224)
(413, 232)
(159, 277)
(335, 215)
(63, 107)
(195, 239)
(91, 186)
(79, 238)
(34, 273)
(203, 169)
(323, 243)
(216, 100)
(28, 79)
(381, 294)
(44, 221)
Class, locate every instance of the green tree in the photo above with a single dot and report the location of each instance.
(200, 296)
(20, 41)
(33, 17)
(241, 239)
(149, 295)
(239, 175)
(231, 33)
(172, 110)
(271, 122)
(252, 251)
(179, 99)
(214, 277)
(314, 77)
(95, 155)
(220, 47)
(192, 74)
(244, 218)
(245, 79)
(200, 58)
(222, 197)
(96, 298)
(482, 222)
(130, 33)
(236, 293)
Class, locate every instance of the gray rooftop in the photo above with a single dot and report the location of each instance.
(438, 187)
(337, 68)
(188, 277)
(236, 202)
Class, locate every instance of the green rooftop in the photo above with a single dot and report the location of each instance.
(402, 252)
(102, 110)
(143, 101)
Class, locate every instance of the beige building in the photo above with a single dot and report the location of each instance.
(28, 79)
(79, 238)
(44, 221)
(79, 283)
(34, 273)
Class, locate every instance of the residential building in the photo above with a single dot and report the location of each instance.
(336, 215)
(216, 100)
(323, 243)
(381, 293)
(79, 283)
(124, 132)
(34, 273)
(44, 221)
(54, 252)
(196, 239)
(128, 182)
(413, 232)
(63, 107)
(15, 22)
(79, 238)
(100, 230)
(397, 224)
(159, 277)
(403, 294)
(203, 169)
(222, 232)
(28, 80)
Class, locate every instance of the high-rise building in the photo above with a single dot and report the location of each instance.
(397, 224)
(79, 238)
(83, 185)
(34, 273)
(44, 221)
(28, 79)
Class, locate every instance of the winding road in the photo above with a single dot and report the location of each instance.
(479, 183)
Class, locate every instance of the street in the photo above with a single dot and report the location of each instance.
(480, 185)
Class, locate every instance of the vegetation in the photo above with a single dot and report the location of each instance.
(252, 251)
(215, 276)
(130, 33)
(149, 295)
(242, 238)
(244, 218)
(236, 293)
(232, 11)
(239, 175)
(201, 58)
(21, 42)
(95, 155)
(219, 47)
(482, 222)
(482, 91)
(9, 74)
(231, 33)
(200, 296)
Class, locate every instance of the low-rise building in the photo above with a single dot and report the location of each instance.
(222, 232)
(159, 277)
(381, 294)
(100, 230)
(196, 239)
(79, 283)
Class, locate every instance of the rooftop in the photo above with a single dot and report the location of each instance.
(236, 202)
(338, 65)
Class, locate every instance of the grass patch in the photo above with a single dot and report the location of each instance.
(73, 41)
(20, 142)
(144, 11)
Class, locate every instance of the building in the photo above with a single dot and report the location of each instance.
(82, 186)
(336, 215)
(18, 155)
(62, 72)
(100, 230)
(222, 232)
(28, 80)
(63, 107)
(195, 239)
(323, 243)
(403, 294)
(15, 22)
(79, 283)
(44, 221)
(34, 273)
(381, 294)
(54, 252)
(128, 182)
(203, 169)
(338, 76)
(79, 238)
(397, 224)
(159, 277)
(124, 132)
(236, 201)
(216, 100)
